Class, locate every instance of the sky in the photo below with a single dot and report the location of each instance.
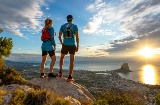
(108, 29)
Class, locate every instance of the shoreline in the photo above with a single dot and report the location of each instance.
(95, 83)
(32, 67)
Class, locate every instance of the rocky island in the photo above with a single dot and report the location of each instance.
(124, 68)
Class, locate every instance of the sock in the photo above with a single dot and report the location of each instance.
(70, 76)
(60, 71)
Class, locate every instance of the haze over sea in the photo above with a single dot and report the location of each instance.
(142, 72)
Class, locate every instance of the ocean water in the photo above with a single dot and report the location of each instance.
(92, 65)
(142, 72)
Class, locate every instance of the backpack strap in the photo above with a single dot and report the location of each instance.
(68, 26)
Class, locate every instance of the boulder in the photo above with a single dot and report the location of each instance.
(65, 89)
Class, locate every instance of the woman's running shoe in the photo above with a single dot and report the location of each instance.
(43, 75)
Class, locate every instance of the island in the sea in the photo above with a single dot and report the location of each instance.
(124, 68)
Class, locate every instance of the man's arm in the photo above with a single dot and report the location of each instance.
(60, 37)
(77, 40)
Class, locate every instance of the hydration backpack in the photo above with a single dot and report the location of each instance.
(45, 34)
(68, 31)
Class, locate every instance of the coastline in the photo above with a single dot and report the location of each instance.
(95, 81)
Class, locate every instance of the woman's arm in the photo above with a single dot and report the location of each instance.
(51, 31)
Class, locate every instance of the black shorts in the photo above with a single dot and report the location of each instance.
(65, 49)
(51, 53)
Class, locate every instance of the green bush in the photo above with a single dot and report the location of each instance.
(6, 45)
(2, 93)
(157, 99)
(101, 102)
(18, 98)
(37, 97)
(11, 76)
(119, 98)
(60, 101)
(44, 97)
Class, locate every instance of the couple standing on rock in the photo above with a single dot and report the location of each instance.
(69, 32)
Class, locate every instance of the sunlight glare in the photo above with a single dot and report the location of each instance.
(148, 74)
(146, 52)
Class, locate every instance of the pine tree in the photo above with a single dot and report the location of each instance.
(5, 49)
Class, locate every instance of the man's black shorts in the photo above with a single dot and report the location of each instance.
(51, 53)
(65, 49)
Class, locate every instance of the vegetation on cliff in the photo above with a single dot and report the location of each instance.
(5, 49)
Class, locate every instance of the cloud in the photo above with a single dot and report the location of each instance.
(137, 17)
(134, 21)
(93, 51)
(129, 46)
(143, 18)
(20, 14)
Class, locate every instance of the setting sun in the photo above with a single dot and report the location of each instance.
(146, 52)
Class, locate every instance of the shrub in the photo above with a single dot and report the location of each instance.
(37, 97)
(18, 98)
(6, 45)
(119, 98)
(60, 101)
(10, 76)
(44, 97)
(157, 99)
(101, 102)
(2, 93)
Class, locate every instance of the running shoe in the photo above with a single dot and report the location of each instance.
(70, 79)
(43, 75)
(60, 74)
(52, 75)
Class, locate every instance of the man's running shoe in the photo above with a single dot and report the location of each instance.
(70, 79)
(43, 75)
(52, 75)
(60, 74)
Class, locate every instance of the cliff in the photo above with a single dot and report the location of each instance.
(64, 88)
(72, 92)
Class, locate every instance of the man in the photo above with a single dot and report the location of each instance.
(69, 32)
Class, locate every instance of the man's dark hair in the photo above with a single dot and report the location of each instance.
(69, 18)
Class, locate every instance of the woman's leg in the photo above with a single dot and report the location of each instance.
(53, 59)
(44, 58)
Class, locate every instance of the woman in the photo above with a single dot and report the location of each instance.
(48, 47)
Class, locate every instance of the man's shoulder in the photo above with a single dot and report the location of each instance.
(74, 25)
(64, 25)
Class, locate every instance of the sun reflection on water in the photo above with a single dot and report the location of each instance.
(149, 76)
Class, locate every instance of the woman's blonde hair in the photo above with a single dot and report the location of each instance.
(47, 21)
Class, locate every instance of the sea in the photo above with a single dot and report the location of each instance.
(148, 73)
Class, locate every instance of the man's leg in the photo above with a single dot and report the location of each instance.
(61, 61)
(71, 64)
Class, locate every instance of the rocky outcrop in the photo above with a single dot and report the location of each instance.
(10, 88)
(124, 68)
(64, 89)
